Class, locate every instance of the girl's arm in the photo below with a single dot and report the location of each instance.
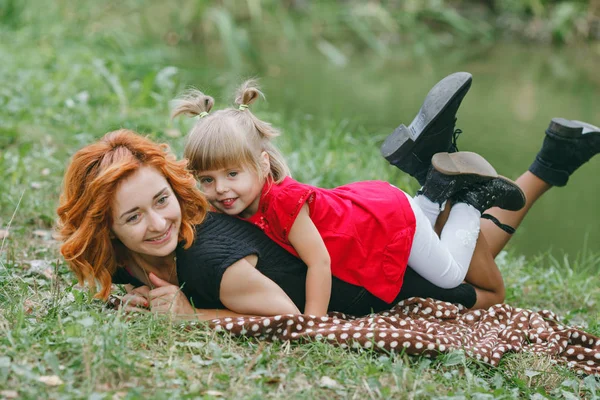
(307, 241)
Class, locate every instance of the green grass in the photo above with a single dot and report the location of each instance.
(64, 85)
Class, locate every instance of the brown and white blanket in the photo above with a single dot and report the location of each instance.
(429, 327)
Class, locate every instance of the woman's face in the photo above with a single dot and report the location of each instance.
(146, 214)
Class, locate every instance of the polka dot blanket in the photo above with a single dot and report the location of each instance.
(429, 327)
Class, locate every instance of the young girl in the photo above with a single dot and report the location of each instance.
(364, 233)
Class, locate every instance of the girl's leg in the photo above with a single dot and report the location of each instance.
(473, 183)
(496, 238)
(444, 260)
(485, 276)
(483, 273)
(432, 130)
(431, 209)
(568, 145)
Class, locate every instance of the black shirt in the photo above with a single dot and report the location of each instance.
(221, 240)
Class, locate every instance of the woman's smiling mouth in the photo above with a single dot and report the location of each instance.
(162, 238)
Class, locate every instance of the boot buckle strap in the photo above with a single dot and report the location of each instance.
(506, 228)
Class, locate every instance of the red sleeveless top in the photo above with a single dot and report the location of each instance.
(367, 227)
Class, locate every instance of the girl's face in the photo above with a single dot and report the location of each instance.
(146, 214)
(233, 191)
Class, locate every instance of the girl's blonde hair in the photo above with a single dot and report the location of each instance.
(229, 137)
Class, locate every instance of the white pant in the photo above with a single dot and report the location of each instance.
(444, 260)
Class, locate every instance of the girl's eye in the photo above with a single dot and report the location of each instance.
(205, 181)
(132, 219)
(233, 173)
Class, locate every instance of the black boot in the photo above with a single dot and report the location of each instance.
(451, 173)
(432, 131)
(568, 144)
(498, 192)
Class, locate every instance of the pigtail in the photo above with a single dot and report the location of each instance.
(192, 103)
(247, 93)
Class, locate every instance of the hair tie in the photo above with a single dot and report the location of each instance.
(242, 107)
(202, 115)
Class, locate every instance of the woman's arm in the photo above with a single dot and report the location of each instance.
(246, 290)
(203, 314)
(307, 241)
(169, 299)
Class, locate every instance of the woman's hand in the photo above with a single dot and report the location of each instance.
(136, 300)
(167, 298)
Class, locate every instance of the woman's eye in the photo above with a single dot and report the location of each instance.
(133, 218)
(162, 200)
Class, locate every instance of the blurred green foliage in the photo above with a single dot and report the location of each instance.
(341, 28)
(241, 29)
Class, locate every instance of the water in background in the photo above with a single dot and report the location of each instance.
(516, 91)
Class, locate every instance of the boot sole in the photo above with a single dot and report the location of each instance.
(463, 163)
(562, 128)
(400, 142)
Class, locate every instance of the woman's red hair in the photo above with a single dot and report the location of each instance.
(89, 186)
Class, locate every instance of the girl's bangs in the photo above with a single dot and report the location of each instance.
(224, 150)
